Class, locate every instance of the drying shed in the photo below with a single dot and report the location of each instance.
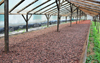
(72, 8)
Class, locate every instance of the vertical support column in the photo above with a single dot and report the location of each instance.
(48, 17)
(71, 14)
(86, 16)
(59, 19)
(99, 16)
(26, 20)
(27, 23)
(6, 25)
(77, 16)
(99, 22)
(66, 18)
(80, 16)
(58, 8)
(95, 20)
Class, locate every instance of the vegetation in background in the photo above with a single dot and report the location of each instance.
(93, 52)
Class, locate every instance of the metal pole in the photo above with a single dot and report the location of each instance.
(27, 23)
(6, 25)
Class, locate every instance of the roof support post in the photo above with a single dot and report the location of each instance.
(80, 16)
(77, 15)
(66, 18)
(26, 20)
(48, 17)
(6, 25)
(58, 8)
(86, 16)
(99, 16)
(94, 18)
(27, 23)
(71, 8)
(59, 19)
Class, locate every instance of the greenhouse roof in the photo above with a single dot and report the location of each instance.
(43, 7)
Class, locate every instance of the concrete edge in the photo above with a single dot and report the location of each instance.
(85, 55)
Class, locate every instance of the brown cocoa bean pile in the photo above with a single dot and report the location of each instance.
(47, 45)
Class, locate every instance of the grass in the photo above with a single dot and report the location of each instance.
(94, 38)
(24, 31)
(44, 26)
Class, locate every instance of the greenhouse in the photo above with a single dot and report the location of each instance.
(49, 31)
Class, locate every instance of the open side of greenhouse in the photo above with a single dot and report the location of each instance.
(72, 8)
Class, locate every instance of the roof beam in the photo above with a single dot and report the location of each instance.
(45, 7)
(1, 2)
(27, 6)
(54, 9)
(85, 6)
(51, 8)
(89, 12)
(90, 3)
(16, 5)
(38, 6)
(94, 1)
(89, 9)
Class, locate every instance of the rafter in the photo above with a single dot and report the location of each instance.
(94, 1)
(1, 2)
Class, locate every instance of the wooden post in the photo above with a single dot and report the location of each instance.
(59, 19)
(26, 20)
(6, 25)
(95, 20)
(66, 18)
(48, 17)
(80, 16)
(99, 21)
(58, 8)
(99, 16)
(71, 14)
(27, 23)
(86, 16)
(77, 16)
